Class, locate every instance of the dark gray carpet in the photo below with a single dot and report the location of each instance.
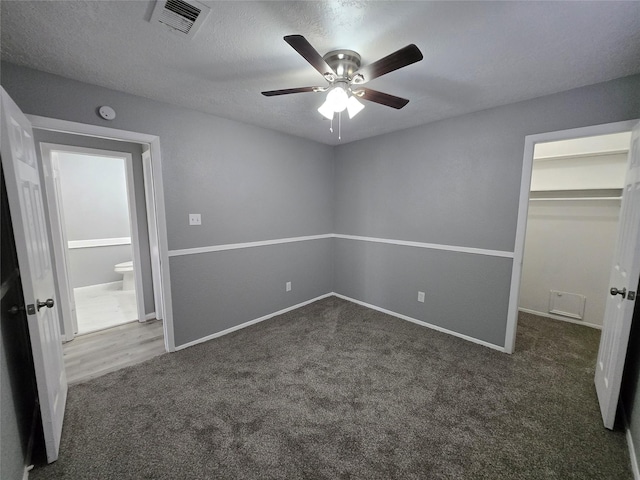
(337, 391)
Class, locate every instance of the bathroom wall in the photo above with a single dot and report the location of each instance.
(82, 256)
(94, 200)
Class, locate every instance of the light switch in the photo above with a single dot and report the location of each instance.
(195, 219)
(421, 297)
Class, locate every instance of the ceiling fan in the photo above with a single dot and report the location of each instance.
(342, 70)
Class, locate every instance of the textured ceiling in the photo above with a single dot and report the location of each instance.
(476, 54)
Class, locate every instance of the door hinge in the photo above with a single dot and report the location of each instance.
(31, 309)
(631, 296)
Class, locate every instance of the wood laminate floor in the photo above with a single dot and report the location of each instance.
(95, 354)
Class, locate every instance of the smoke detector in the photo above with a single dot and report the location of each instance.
(180, 17)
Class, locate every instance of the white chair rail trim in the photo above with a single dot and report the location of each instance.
(264, 243)
(99, 242)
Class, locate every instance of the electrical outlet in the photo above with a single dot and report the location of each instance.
(195, 219)
(421, 297)
(288, 287)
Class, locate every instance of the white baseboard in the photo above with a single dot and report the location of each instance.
(250, 322)
(149, 316)
(349, 299)
(558, 317)
(632, 450)
(27, 469)
(423, 324)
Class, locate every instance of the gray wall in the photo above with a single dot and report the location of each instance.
(93, 266)
(103, 256)
(248, 183)
(17, 387)
(630, 395)
(94, 199)
(94, 196)
(234, 287)
(459, 294)
(17, 377)
(454, 182)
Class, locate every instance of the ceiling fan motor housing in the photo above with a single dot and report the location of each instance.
(344, 62)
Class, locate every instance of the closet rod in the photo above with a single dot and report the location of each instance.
(537, 199)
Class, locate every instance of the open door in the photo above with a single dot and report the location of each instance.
(625, 273)
(24, 192)
(154, 246)
(53, 189)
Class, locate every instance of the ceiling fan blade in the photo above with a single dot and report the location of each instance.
(382, 98)
(287, 91)
(401, 58)
(310, 54)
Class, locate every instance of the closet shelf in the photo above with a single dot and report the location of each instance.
(573, 195)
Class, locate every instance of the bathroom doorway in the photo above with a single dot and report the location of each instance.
(90, 193)
(100, 209)
(93, 191)
(149, 331)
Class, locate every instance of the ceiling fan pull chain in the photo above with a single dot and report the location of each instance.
(340, 126)
(331, 126)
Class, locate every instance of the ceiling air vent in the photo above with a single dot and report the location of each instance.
(180, 17)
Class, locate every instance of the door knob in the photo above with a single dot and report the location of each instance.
(15, 309)
(47, 303)
(614, 291)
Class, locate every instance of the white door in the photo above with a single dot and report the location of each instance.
(53, 188)
(34, 259)
(154, 248)
(625, 273)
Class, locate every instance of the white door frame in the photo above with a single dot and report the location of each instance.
(149, 194)
(60, 249)
(53, 124)
(523, 208)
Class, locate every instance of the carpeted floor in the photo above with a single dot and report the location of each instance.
(337, 391)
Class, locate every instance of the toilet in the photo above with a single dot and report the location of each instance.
(126, 269)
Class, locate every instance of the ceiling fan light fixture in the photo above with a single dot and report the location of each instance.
(354, 106)
(344, 74)
(326, 110)
(338, 98)
(357, 79)
(329, 77)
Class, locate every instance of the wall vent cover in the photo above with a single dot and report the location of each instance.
(567, 304)
(179, 17)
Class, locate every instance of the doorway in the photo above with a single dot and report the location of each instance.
(572, 226)
(154, 197)
(523, 207)
(99, 242)
(107, 256)
(92, 192)
(624, 271)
